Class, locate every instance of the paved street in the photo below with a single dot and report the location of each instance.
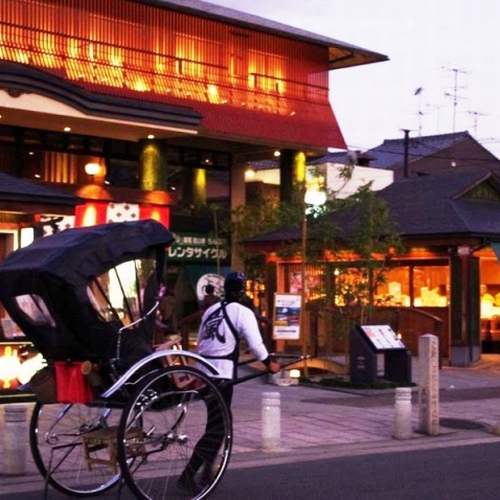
(322, 424)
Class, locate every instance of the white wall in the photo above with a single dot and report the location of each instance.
(360, 176)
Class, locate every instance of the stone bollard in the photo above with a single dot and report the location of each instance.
(402, 425)
(14, 440)
(271, 424)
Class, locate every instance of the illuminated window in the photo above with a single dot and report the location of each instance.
(431, 286)
(395, 291)
(415, 286)
(197, 57)
(267, 72)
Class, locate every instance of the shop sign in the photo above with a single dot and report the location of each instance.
(196, 247)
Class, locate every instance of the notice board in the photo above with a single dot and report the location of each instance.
(287, 312)
(382, 337)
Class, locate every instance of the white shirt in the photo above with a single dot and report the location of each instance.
(216, 339)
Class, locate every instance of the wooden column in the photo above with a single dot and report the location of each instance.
(464, 321)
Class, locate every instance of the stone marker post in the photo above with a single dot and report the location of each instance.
(271, 421)
(428, 384)
(402, 424)
(14, 440)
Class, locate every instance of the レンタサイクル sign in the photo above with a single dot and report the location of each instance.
(195, 247)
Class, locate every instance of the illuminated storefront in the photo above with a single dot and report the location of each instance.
(449, 225)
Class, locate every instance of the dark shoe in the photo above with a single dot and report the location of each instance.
(188, 486)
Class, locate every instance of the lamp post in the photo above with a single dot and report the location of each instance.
(303, 287)
(316, 198)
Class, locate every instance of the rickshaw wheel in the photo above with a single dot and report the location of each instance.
(175, 410)
(57, 434)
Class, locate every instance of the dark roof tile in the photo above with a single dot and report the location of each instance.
(390, 154)
(433, 205)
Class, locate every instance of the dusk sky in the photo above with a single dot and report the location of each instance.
(446, 48)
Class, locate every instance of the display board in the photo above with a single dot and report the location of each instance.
(382, 337)
(286, 321)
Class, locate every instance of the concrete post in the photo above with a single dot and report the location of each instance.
(14, 440)
(271, 424)
(402, 423)
(428, 384)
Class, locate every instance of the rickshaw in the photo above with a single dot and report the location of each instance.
(112, 408)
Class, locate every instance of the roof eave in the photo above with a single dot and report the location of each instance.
(341, 55)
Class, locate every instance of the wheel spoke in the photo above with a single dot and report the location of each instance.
(57, 434)
(163, 428)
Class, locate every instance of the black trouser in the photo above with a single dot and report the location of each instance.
(208, 446)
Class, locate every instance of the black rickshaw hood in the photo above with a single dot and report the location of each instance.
(60, 267)
(79, 254)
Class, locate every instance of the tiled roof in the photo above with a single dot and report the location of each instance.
(15, 189)
(390, 154)
(311, 125)
(339, 157)
(432, 205)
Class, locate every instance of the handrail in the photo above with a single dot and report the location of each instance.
(435, 318)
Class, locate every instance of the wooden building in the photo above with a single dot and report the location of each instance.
(449, 223)
(133, 106)
(157, 96)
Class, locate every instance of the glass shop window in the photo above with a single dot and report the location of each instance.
(395, 291)
(431, 286)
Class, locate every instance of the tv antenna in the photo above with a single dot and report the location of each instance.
(476, 114)
(455, 95)
(418, 92)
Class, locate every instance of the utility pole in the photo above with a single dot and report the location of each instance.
(406, 151)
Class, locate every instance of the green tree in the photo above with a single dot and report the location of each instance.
(251, 220)
(350, 243)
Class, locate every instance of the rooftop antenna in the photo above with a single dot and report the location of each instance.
(476, 114)
(418, 92)
(455, 95)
